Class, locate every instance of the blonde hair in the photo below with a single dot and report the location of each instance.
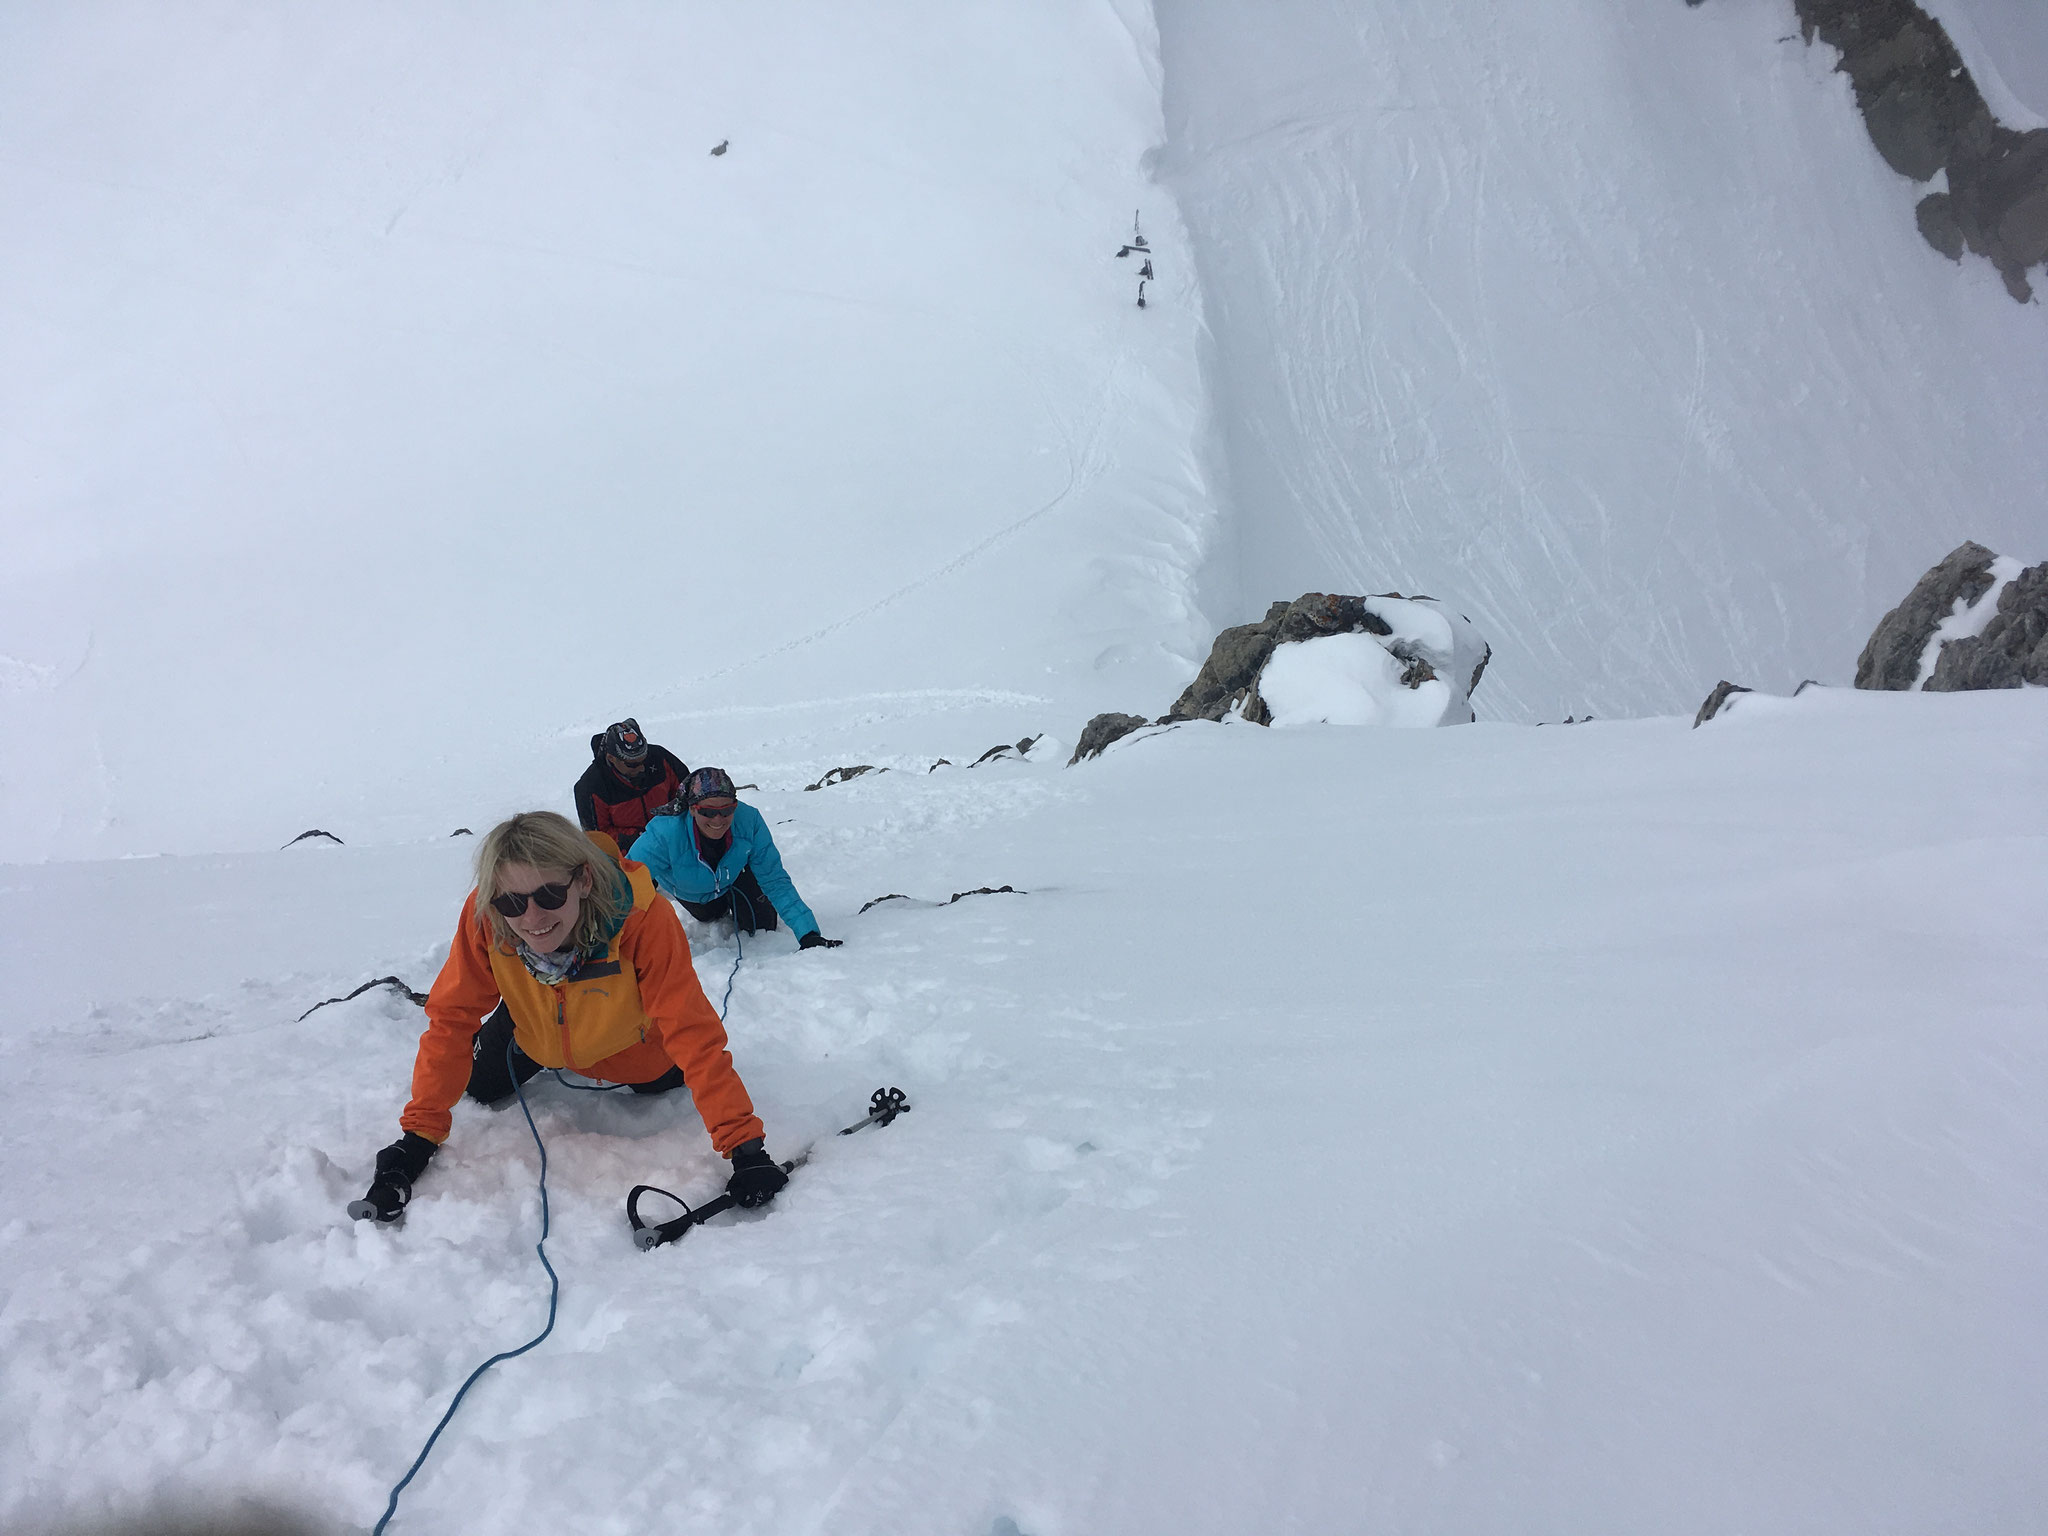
(547, 841)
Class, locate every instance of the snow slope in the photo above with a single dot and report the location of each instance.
(358, 350)
(1607, 326)
(351, 347)
(1595, 1129)
(2004, 44)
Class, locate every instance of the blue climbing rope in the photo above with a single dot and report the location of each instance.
(739, 945)
(554, 1296)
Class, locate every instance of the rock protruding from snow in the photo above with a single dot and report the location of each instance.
(1384, 660)
(1977, 620)
(2013, 649)
(1101, 731)
(1232, 671)
(1892, 657)
(1715, 702)
(1926, 115)
(838, 775)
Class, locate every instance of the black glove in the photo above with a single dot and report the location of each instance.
(816, 940)
(405, 1159)
(397, 1166)
(755, 1175)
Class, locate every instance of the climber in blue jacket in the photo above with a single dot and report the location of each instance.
(716, 857)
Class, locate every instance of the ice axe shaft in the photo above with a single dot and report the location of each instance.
(883, 1106)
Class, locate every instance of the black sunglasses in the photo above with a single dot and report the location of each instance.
(548, 898)
(715, 812)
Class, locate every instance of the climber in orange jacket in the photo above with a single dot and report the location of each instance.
(566, 956)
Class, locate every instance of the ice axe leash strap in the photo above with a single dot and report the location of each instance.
(648, 1235)
(883, 1106)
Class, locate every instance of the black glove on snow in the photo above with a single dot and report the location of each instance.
(755, 1175)
(816, 940)
(405, 1159)
(397, 1166)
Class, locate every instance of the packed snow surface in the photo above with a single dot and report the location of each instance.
(1604, 1128)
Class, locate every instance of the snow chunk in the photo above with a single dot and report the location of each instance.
(1420, 674)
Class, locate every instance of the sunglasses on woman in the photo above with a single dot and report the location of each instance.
(548, 898)
(715, 812)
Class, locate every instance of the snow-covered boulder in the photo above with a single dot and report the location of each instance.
(1976, 620)
(1384, 660)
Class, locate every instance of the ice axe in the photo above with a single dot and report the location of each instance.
(883, 1106)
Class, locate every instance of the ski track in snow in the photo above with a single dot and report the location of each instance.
(1577, 326)
(1085, 464)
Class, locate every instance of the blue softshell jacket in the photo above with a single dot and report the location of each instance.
(670, 852)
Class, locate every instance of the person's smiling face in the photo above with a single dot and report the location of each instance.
(539, 929)
(714, 817)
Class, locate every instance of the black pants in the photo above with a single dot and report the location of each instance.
(746, 901)
(490, 1083)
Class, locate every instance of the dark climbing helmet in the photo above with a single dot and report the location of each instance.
(708, 784)
(624, 741)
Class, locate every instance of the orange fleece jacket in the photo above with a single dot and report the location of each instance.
(625, 1017)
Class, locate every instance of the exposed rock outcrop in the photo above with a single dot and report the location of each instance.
(1101, 731)
(1004, 749)
(1229, 679)
(2012, 651)
(1977, 620)
(1926, 115)
(1231, 673)
(1892, 657)
(1328, 657)
(839, 775)
(1715, 702)
(1936, 215)
(1918, 101)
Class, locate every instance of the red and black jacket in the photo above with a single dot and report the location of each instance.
(620, 807)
